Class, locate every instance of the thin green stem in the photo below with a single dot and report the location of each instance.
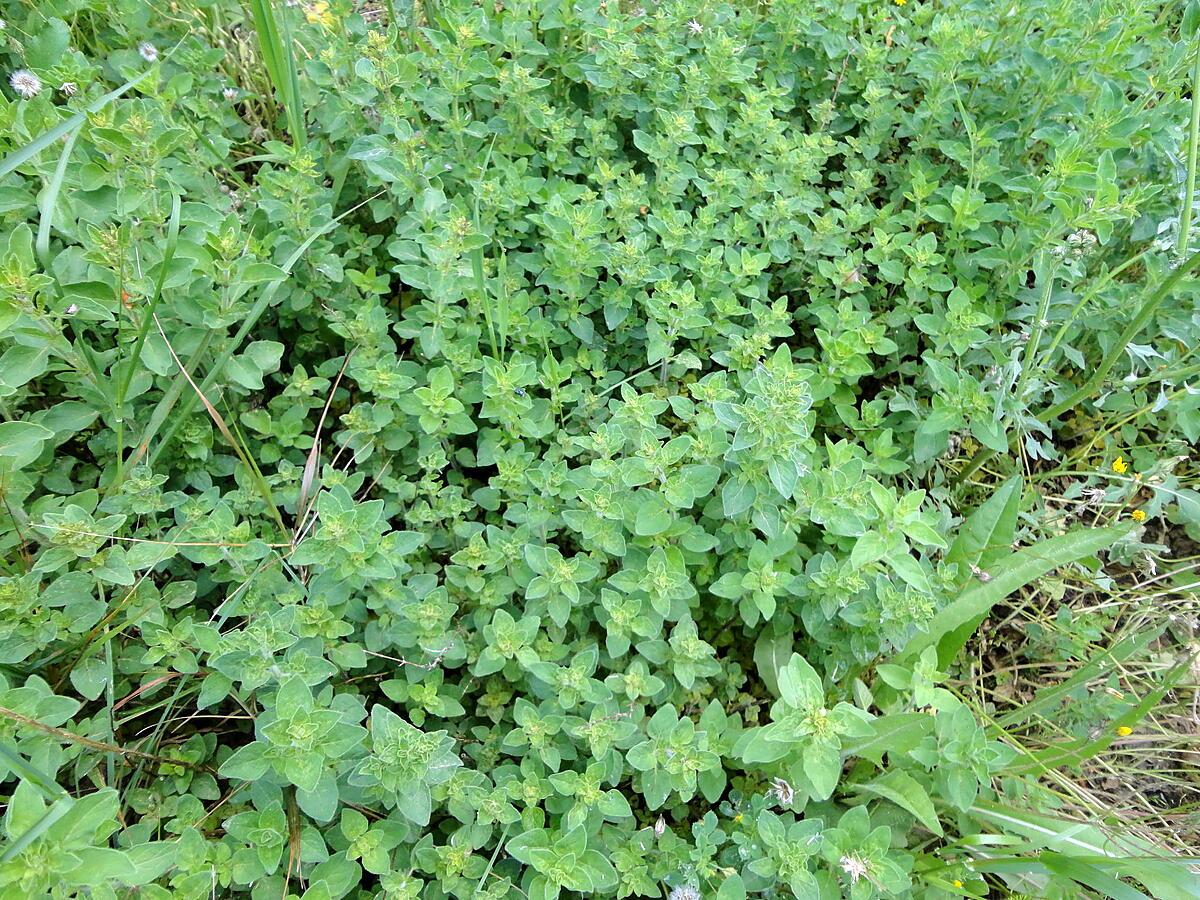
(1035, 333)
(1185, 214)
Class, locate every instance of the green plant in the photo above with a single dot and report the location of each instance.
(699, 450)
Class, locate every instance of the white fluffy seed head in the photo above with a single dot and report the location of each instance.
(147, 51)
(25, 84)
(853, 866)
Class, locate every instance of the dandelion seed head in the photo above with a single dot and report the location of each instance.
(25, 84)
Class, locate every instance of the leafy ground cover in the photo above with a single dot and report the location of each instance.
(536, 448)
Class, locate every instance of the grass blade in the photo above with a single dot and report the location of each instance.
(125, 378)
(309, 478)
(50, 788)
(276, 48)
(1047, 697)
(50, 200)
(1144, 314)
(1092, 876)
(1166, 877)
(1189, 190)
(1072, 753)
(236, 445)
(1096, 379)
(152, 307)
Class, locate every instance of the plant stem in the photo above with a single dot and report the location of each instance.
(1035, 333)
(88, 742)
(1185, 214)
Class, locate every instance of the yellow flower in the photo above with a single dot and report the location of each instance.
(1138, 515)
(318, 13)
(1124, 731)
(1120, 466)
(738, 818)
(957, 883)
(899, 2)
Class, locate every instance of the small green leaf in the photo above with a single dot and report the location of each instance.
(653, 515)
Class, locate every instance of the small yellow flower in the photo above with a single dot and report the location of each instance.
(1124, 731)
(318, 13)
(1138, 515)
(1120, 466)
(738, 818)
(899, 2)
(957, 883)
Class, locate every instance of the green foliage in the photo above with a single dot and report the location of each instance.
(540, 449)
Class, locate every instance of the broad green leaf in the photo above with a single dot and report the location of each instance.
(907, 793)
(1010, 574)
(987, 534)
(771, 653)
(653, 515)
(895, 733)
(21, 443)
(732, 888)
(823, 767)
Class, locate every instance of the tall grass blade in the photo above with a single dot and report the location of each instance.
(50, 201)
(275, 43)
(50, 788)
(1147, 310)
(1189, 190)
(152, 307)
(124, 378)
(234, 443)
